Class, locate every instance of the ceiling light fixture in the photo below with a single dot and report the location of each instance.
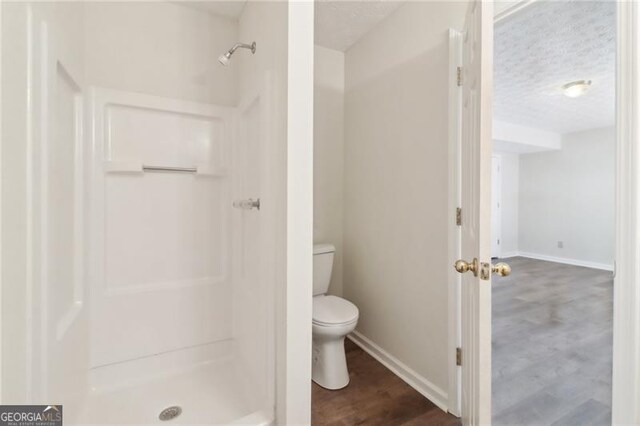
(577, 88)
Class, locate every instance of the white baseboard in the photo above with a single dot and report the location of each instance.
(508, 255)
(430, 391)
(575, 262)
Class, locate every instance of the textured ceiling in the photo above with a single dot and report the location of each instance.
(546, 45)
(339, 24)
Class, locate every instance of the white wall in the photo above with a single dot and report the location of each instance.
(299, 212)
(518, 139)
(160, 48)
(328, 155)
(396, 195)
(510, 169)
(569, 196)
(14, 199)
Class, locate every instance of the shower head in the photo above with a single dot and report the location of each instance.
(226, 57)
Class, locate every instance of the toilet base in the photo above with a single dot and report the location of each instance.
(329, 368)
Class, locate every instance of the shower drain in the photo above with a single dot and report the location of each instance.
(170, 413)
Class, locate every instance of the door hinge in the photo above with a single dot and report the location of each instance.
(458, 356)
(459, 216)
(459, 76)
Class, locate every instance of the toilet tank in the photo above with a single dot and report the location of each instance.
(322, 266)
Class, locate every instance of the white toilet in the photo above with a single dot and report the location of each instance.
(333, 318)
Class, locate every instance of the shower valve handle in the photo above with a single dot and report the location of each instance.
(249, 204)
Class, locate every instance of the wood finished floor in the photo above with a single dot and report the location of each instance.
(374, 396)
(552, 341)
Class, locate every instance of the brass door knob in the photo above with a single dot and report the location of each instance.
(463, 266)
(501, 269)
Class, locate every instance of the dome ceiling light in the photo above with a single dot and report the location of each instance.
(577, 88)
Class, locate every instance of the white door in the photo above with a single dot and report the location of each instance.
(476, 214)
(496, 212)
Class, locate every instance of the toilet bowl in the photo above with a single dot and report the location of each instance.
(333, 318)
(338, 318)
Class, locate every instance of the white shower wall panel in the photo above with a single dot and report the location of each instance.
(253, 296)
(162, 273)
(155, 135)
(163, 230)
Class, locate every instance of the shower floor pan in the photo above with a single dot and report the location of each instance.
(208, 394)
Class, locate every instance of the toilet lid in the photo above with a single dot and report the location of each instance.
(333, 310)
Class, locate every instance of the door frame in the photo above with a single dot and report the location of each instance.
(626, 315)
(454, 396)
(626, 294)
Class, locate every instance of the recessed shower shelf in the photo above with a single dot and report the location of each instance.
(136, 167)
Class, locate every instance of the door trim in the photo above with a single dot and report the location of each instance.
(454, 279)
(626, 298)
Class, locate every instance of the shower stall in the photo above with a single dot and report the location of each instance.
(152, 198)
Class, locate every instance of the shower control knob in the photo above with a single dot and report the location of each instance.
(249, 204)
